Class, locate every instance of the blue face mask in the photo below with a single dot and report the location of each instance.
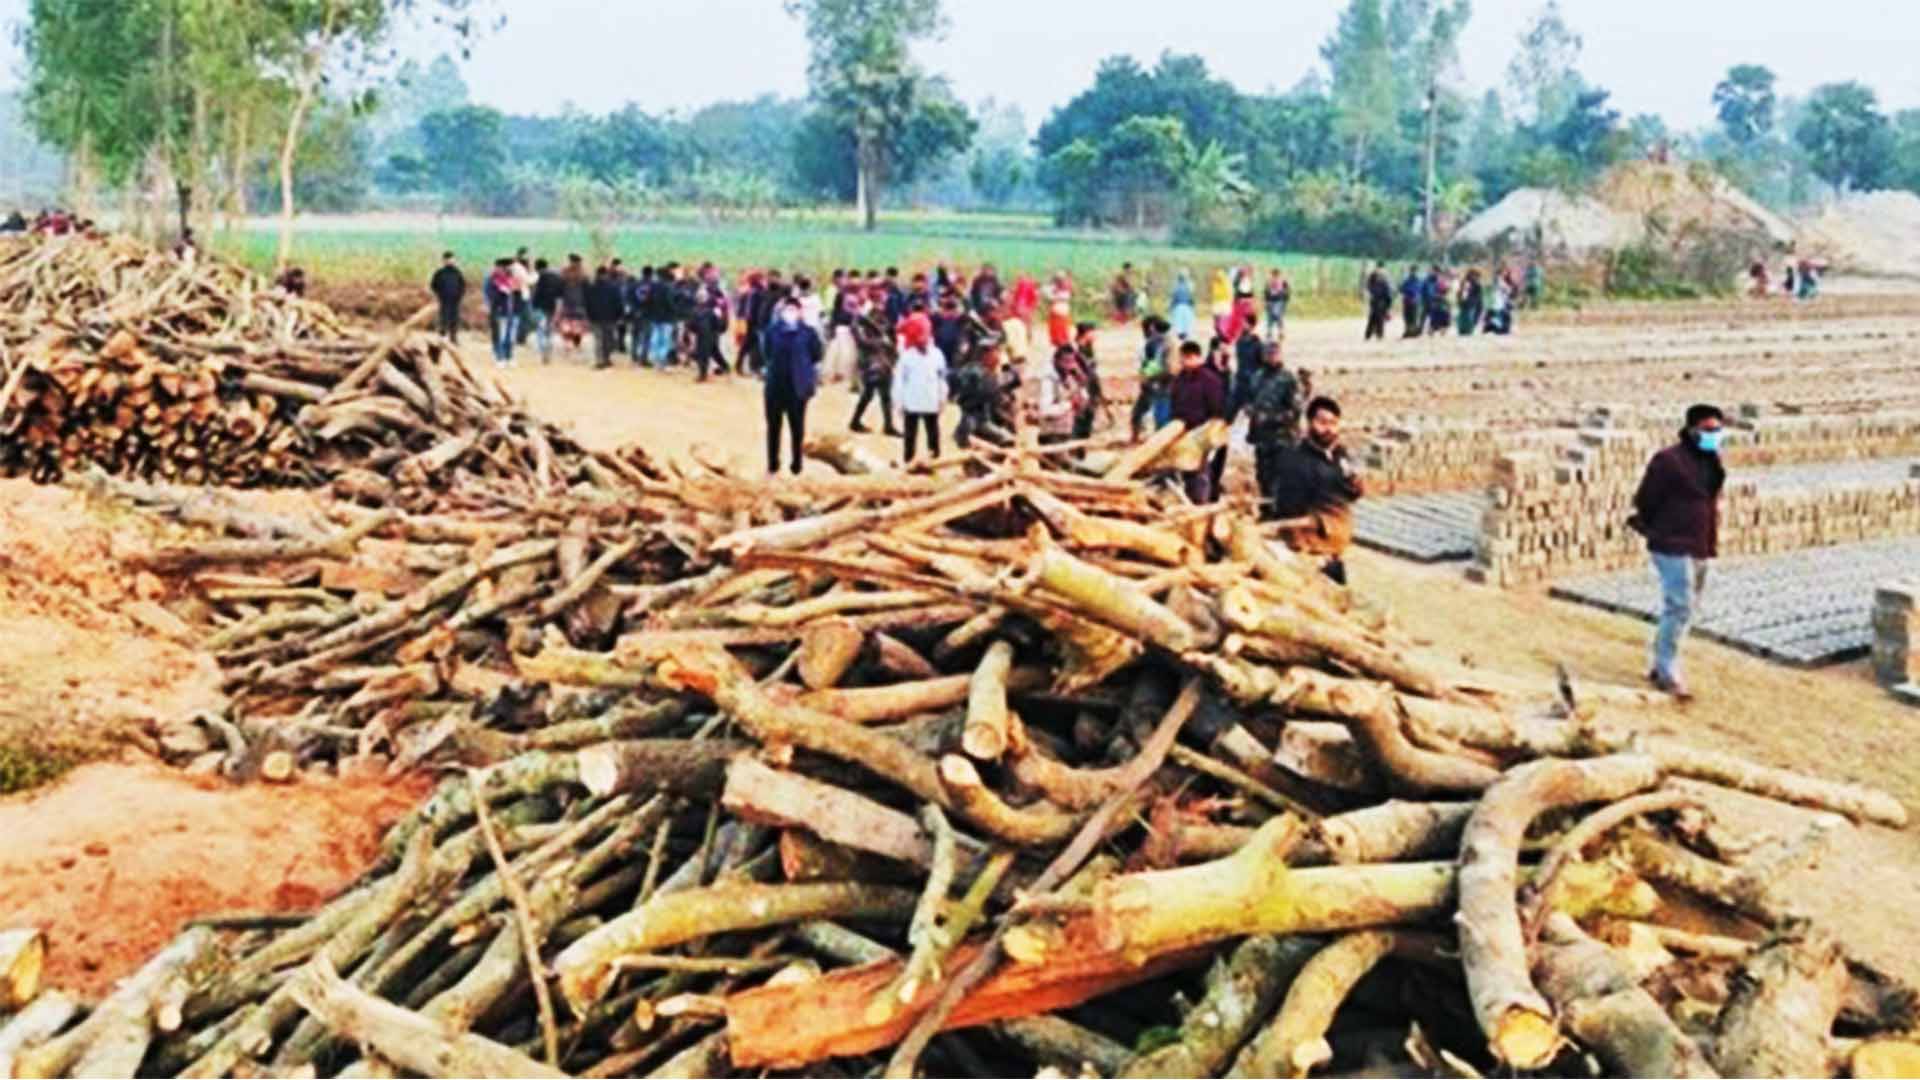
(1708, 441)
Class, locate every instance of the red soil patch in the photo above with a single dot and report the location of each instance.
(113, 859)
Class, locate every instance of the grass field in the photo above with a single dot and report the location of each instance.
(405, 250)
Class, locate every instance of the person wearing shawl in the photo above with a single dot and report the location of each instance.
(1180, 311)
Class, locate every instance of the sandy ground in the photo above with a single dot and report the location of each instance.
(1832, 721)
(115, 858)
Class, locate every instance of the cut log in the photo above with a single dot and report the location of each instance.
(985, 736)
(33, 1025)
(1295, 1043)
(1517, 1021)
(114, 1037)
(1241, 991)
(776, 797)
(1781, 1015)
(23, 953)
(827, 650)
(1603, 1006)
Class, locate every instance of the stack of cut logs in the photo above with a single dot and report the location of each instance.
(153, 367)
(913, 772)
(1023, 763)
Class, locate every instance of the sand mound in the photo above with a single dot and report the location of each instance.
(1631, 203)
(1873, 232)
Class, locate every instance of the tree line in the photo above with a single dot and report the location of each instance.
(1384, 147)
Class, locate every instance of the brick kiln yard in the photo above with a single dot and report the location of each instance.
(1443, 415)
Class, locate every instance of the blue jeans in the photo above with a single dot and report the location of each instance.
(660, 350)
(1682, 580)
(543, 333)
(503, 328)
(643, 342)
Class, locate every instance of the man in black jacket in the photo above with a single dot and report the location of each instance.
(546, 306)
(1379, 302)
(1270, 396)
(1314, 489)
(449, 287)
(1677, 509)
(604, 311)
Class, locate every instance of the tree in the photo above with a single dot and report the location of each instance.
(1360, 57)
(1588, 133)
(1847, 140)
(860, 72)
(999, 164)
(1744, 101)
(1544, 74)
(466, 152)
(1432, 55)
(1144, 156)
(1906, 150)
(1178, 85)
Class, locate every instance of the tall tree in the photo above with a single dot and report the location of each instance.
(1745, 102)
(1433, 58)
(1360, 56)
(1544, 74)
(1848, 141)
(860, 71)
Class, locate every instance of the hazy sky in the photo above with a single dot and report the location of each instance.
(1658, 56)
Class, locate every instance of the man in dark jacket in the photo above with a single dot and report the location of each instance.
(604, 311)
(662, 330)
(1379, 302)
(1084, 335)
(546, 306)
(639, 303)
(449, 287)
(1199, 396)
(1411, 313)
(1270, 396)
(1314, 487)
(1677, 509)
(793, 352)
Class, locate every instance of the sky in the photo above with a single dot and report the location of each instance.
(1658, 56)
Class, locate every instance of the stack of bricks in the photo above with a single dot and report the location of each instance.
(1896, 639)
(1417, 458)
(1556, 514)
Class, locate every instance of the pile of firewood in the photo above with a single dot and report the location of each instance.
(1019, 763)
(153, 367)
(921, 771)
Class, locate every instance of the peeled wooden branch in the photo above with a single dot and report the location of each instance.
(1576, 839)
(899, 701)
(405, 1038)
(1516, 1020)
(985, 736)
(1113, 600)
(827, 650)
(1027, 826)
(32, 1025)
(767, 796)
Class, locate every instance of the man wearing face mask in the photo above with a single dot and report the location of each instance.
(1314, 489)
(1677, 509)
(792, 361)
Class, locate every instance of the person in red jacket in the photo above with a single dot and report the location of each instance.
(1677, 509)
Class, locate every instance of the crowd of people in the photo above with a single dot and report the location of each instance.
(1005, 355)
(1437, 301)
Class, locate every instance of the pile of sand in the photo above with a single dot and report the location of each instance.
(1631, 202)
(1873, 232)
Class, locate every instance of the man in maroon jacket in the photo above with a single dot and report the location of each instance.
(1199, 395)
(1678, 510)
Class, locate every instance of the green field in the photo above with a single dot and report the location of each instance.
(339, 251)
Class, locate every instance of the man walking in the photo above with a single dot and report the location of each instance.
(1677, 509)
(1411, 313)
(1314, 488)
(449, 287)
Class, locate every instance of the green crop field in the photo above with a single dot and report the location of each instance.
(374, 250)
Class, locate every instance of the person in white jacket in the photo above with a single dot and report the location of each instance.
(920, 383)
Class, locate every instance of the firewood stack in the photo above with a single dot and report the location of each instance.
(151, 367)
(917, 773)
